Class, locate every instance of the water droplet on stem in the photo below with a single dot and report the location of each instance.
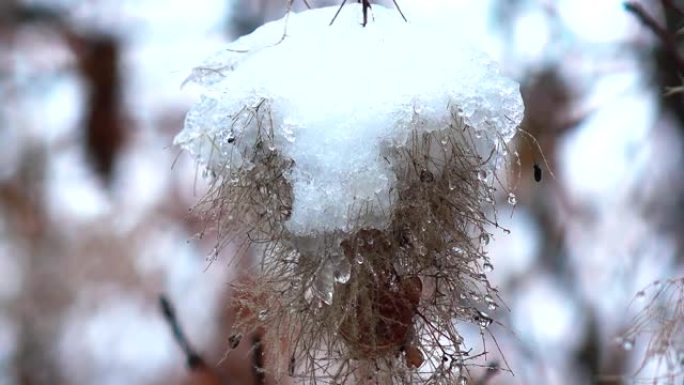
(512, 200)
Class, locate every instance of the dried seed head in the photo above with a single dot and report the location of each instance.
(369, 220)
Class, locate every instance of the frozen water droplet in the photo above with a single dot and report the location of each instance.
(325, 295)
(463, 296)
(262, 315)
(474, 296)
(628, 344)
(484, 239)
(343, 271)
(482, 175)
(342, 277)
(483, 319)
(491, 305)
(308, 295)
(512, 200)
(324, 282)
(359, 259)
(457, 251)
(488, 267)
(288, 132)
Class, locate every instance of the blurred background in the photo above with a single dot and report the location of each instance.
(94, 199)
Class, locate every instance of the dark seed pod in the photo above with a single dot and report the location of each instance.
(537, 173)
(414, 357)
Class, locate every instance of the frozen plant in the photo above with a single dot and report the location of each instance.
(360, 162)
(660, 322)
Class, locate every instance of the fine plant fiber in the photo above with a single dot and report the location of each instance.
(399, 293)
(248, 205)
(660, 322)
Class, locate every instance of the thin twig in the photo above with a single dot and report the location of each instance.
(366, 5)
(399, 9)
(338, 12)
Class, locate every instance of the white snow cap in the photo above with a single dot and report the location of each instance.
(338, 97)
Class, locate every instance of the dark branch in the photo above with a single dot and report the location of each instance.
(666, 38)
(194, 361)
(258, 361)
(671, 5)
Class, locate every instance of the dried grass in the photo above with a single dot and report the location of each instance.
(660, 321)
(395, 318)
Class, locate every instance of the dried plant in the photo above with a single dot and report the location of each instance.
(660, 321)
(367, 274)
(377, 304)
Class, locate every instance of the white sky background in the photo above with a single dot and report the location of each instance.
(602, 165)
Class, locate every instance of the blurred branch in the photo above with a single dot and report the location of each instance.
(671, 5)
(13, 14)
(98, 56)
(205, 376)
(666, 38)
